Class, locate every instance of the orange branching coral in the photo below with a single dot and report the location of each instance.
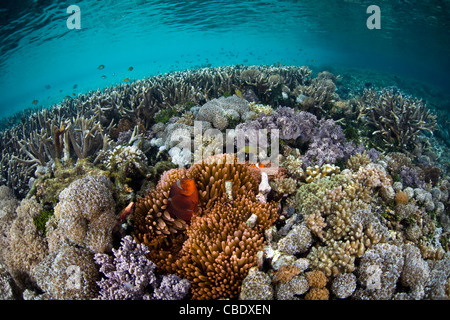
(221, 246)
(211, 174)
(154, 226)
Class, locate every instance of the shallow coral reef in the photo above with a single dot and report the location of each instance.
(143, 191)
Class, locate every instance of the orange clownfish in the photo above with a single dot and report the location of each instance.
(183, 199)
(258, 165)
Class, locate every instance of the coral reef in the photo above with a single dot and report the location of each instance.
(97, 193)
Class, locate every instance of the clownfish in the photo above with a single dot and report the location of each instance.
(183, 199)
(258, 165)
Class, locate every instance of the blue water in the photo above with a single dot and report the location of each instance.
(41, 59)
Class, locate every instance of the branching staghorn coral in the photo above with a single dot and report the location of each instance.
(397, 119)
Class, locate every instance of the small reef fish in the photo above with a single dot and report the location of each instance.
(238, 93)
(47, 86)
(126, 79)
(258, 165)
(183, 199)
(100, 67)
(125, 213)
(75, 86)
(103, 77)
(130, 69)
(34, 102)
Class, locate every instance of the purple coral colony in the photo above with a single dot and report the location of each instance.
(92, 204)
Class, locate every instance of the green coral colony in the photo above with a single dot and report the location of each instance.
(357, 209)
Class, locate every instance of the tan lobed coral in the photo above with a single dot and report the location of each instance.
(26, 247)
(86, 212)
(344, 221)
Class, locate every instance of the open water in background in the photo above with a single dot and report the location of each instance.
(41, 59)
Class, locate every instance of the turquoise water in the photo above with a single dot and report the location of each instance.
(41, 59)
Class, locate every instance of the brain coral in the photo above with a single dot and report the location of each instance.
(86, 212)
